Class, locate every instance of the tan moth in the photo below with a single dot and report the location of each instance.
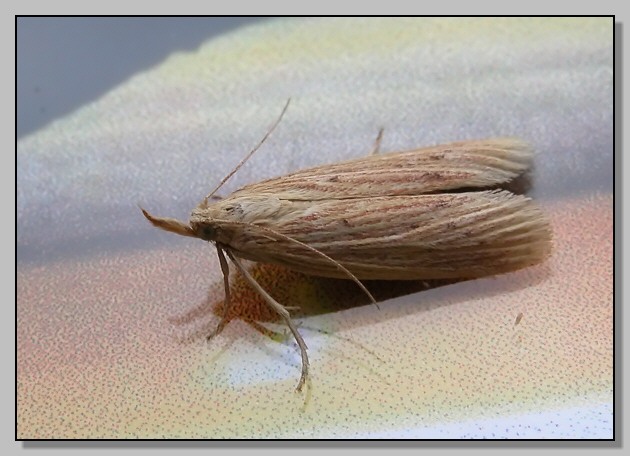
(430, 213)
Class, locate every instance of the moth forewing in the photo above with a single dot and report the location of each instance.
(467, 164)
(421, 214)
(446, 235)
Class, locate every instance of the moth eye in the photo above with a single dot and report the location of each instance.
(207, 233)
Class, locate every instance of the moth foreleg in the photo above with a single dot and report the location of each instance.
(280, 310)
(225, 269)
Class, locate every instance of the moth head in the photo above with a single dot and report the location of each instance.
(201, 225)
(202, 222)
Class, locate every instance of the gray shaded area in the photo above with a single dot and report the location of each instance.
(65, 62)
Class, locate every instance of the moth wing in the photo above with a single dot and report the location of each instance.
(467, 164)
(446, 235)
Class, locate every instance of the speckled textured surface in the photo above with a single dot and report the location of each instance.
(112, 314)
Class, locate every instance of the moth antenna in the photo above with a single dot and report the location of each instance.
(282, 311)
(376, 149)
(242, 162)
(338, 265)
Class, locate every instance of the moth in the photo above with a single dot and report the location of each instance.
(431, 213)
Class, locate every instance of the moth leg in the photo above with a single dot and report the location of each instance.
(377, 142)
(225, 269)
(262, 329)
(282, 311)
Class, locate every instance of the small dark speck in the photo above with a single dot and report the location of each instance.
(440, 204)
(333, 179)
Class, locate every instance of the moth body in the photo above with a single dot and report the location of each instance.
(431, 213)
(383, 223)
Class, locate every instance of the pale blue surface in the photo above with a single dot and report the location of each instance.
(593, 422)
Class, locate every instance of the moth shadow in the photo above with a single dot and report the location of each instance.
(308, 296)
(520, 185)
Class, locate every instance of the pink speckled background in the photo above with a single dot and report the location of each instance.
(112, 314)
